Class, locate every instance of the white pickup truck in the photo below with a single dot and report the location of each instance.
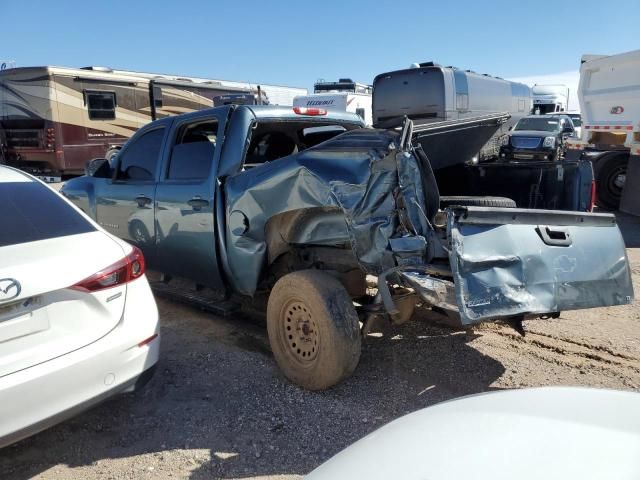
(609, 94)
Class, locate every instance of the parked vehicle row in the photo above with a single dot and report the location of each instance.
(54, 119)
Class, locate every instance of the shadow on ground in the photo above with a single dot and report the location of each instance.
(219, 408)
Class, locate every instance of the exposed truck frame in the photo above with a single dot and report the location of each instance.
(609, 94)
(54, 119)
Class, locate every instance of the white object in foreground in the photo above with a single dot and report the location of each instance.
(78, 321)
(543, 433)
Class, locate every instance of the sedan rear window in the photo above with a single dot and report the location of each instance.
(31, 212)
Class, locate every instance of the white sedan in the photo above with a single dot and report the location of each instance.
(542, 433)
(78, 321)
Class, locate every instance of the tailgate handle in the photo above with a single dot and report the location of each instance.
(554, 236)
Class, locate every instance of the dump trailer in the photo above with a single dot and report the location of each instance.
(609, 95)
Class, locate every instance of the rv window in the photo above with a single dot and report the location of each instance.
(360, 111)
(157, 96)
(101, 105)
(138, 160)
(192, 155)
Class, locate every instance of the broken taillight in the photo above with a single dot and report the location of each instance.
(309, 111)
(123, 271)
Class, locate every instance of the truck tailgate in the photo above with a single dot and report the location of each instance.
(511, 262)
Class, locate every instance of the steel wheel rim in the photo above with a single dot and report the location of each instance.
(299, 333)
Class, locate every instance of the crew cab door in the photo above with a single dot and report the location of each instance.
(185, 236)
(125, 203)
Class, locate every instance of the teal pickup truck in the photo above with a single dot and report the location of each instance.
(297, 206)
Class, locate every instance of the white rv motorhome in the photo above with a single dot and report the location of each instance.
(344, 95)
(609, 94)
(430, 93)
(550, 98)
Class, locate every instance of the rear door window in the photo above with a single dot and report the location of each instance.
(192, 154)
(32, 212)
(139, 159)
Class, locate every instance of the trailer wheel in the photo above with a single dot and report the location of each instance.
(463, 201)
(610, 182)
(313, 329)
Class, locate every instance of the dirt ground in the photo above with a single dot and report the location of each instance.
(219, 408)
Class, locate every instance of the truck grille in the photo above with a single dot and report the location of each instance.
(525, 142)
(23, 138)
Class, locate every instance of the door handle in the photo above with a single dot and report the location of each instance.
(142, 201)
(197, 203)
(554, 236)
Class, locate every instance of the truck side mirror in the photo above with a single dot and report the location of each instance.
(98, 168)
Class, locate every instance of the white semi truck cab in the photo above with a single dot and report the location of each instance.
(550, 98)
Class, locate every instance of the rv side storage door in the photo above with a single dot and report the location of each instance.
(510, 262)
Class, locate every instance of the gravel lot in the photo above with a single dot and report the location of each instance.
(219, 408)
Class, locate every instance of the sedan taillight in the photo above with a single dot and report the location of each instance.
(123, 271)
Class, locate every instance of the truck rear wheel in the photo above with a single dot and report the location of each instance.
(313, 329)
(463, 201)
(610, 182)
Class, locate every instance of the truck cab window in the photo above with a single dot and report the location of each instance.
(138, 160)
(269, 147)
(192, 154)
(101, 105)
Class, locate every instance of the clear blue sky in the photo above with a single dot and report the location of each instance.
(296, 42)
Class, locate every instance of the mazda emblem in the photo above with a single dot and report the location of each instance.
(9, 289)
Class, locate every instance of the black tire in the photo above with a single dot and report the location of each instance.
(608, 186)
(463, 201)
(313, 329)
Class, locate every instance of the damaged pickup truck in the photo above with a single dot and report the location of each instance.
(298, 206)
